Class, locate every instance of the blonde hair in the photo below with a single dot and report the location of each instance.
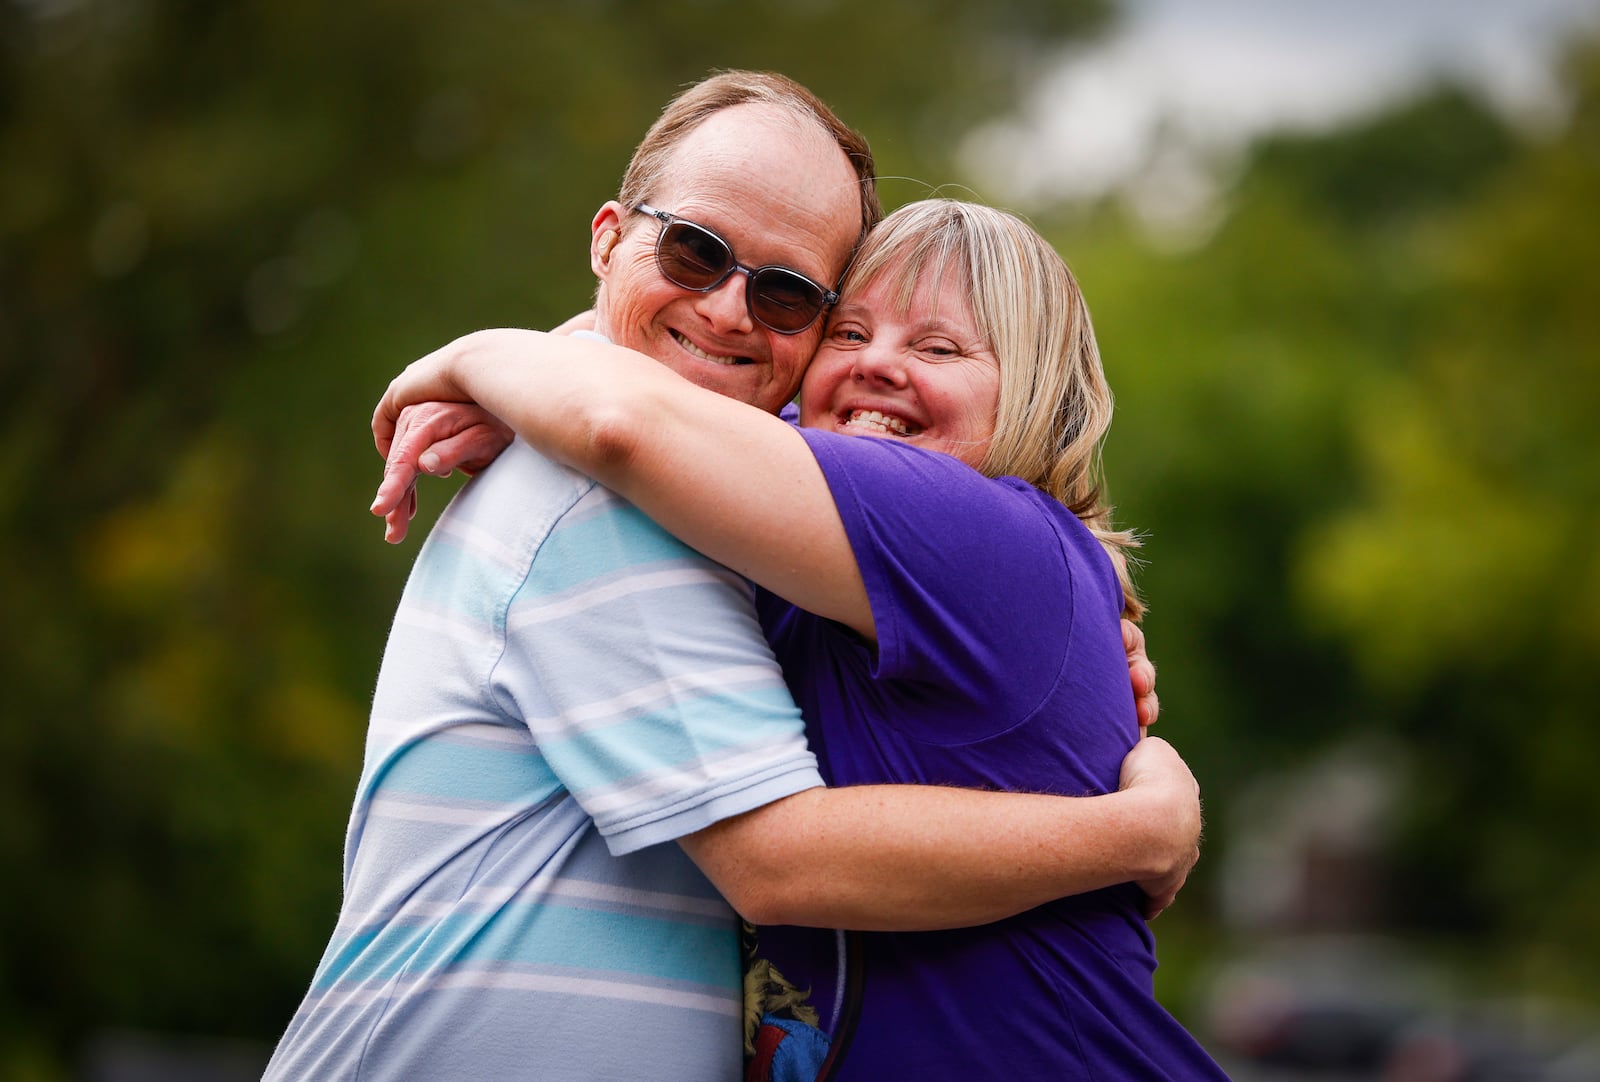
(723, 91)
(1055, 405)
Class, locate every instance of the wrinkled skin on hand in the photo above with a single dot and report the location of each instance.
(434, 438)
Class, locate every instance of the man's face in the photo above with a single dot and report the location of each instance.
(779, 192)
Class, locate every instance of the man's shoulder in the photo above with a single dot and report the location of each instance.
(520, 494)
(531, 475)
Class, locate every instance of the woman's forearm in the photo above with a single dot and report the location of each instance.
(566, 396)
(736, 483)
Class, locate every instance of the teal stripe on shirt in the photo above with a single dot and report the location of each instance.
(467, 585)
(456, 580)
(656, 743)
(571, 936)
(586, 552)
(453, 770)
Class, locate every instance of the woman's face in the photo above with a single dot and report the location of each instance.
(925, 376)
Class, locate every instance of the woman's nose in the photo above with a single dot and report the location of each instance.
(880, 363)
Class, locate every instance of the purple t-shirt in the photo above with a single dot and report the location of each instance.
(999, 664)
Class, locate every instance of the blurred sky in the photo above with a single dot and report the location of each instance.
(1158, 105)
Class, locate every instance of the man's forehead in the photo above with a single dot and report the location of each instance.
(759, 154)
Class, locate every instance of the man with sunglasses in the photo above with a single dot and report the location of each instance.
(567, 689)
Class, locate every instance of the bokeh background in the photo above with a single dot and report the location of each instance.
(1343, 266)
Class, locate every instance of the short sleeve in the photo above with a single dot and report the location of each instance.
(967, 575)
(643, 677)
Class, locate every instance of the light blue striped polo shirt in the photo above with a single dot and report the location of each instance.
(566, 687)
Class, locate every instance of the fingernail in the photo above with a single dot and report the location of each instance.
(429, 462)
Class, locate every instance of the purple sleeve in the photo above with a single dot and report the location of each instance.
(968, 576)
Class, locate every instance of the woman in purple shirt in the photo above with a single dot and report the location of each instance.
(945, 600)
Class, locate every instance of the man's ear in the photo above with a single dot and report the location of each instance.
(604, 233)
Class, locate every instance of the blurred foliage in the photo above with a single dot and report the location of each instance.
(1355, 423)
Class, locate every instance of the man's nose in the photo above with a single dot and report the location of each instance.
(726, 307)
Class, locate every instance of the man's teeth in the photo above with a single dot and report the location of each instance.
(704, 356)
(881, 422)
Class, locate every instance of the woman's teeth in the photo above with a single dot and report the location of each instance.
(878, 422)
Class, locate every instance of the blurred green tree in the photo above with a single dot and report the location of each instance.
(1356, 422)
(1465, 577)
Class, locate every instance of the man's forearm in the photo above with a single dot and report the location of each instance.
(905, 857)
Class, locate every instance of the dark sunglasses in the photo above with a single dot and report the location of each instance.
(692, 257)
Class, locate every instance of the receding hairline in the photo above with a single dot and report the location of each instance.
(729, 89)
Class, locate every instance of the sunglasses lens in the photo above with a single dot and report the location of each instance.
(692, 257)
(785, 301)
(696, 258)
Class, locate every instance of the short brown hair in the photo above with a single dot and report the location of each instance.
(724, 90)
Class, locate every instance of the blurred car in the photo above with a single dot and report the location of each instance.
(1359, 1008)
(1514, 1041)
(1318, 1005)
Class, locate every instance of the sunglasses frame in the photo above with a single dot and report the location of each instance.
(829, 297)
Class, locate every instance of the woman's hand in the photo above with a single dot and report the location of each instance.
(436, 438)
(426, 423)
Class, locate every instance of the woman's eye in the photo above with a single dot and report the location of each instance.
(849, 334)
